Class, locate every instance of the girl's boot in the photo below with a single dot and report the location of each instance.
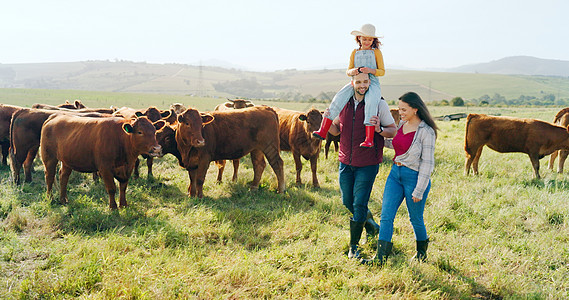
(368, 143)
(324, 127)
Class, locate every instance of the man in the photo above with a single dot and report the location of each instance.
(359, 166)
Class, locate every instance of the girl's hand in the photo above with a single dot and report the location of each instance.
(368, 70)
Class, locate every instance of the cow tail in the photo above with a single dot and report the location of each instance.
(468, 120)
(16, 114)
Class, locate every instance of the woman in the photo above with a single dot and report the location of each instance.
(409, 179)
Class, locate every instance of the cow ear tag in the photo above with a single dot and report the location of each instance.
(127, 128)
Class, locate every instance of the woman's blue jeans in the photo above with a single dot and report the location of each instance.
(355, 185)
(400, 184)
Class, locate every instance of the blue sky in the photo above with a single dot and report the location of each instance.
(274, 35)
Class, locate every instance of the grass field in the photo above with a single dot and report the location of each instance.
(498, 235)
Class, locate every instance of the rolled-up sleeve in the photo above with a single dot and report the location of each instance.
(427, 162)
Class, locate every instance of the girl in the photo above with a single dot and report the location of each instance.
(410, 176)
(367, 59)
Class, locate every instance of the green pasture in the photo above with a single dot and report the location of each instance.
(498, 235)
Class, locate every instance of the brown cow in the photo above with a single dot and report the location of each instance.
(234, 104)
(203, 138)
(6, 112)
(153, 114)
(295, 131)
(507, 134)
(107, 145)
(67, 105)
(25, 132)
(220, 164)
(336, 138)
(561, 119)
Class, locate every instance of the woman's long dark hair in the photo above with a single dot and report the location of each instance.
(423, 113)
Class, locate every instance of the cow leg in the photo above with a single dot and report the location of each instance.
(552, 158)
(201, 172)
(122, 193)
(336, 146)
(5, 152)
(562, 157)
(476, 160)
(535, 163)
(110, 186)
(64, 173)
(50, 167)
(276, 162)
(29, 163)
(220, 164)
(136, 174)
(15, 167)
(298, 165)
(313, 166)
(235, 169)
(327, 148)
(149, 163)
(192, 189)
(258, 161)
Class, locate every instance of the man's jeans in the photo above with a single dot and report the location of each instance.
(355, 185)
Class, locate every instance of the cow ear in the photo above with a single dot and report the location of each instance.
(228, 104)
(165, 114)
(180, 119)
(206, 118)
(302, 117)
(78, 103)
(127, 128)
(159, 124)
(138, 114)
(250, 104)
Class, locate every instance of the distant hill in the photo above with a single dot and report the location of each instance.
(297, 85)
(519, 65)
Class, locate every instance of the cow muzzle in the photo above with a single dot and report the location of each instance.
(199, 143)
(155, 151)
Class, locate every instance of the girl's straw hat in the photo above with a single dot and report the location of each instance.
(366, 30)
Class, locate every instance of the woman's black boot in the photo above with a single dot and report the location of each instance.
(383, 251)
(422, 250)
(372, 228)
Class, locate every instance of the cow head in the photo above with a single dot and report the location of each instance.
(238, 103)
(142, 134)
(166, 138)
(178, 108)
(190, 127)
(312, 120)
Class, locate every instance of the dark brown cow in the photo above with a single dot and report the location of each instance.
(153, 114)
(6, 112)
(336, 138)
(507, 134)
(25, 132)
(220, 164)
(295, 131)
(561, 119)
(109, 146)
(203, 138)
(67, 105)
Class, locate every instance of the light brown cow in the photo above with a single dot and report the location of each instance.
(107, 145)
(234, 104)
(67, 105)
(295, 131)
(203, 138)
(507, 134)
(561, 119)
(178, 108)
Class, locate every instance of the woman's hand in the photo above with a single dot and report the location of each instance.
(415, 199)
